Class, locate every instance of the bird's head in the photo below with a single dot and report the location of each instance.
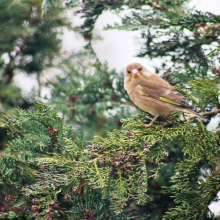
(134, 71)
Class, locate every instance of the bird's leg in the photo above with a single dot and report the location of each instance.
(147, 125)
(167, 116)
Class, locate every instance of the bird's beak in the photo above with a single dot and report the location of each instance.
(135, 73)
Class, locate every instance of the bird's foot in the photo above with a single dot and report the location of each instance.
(145, 125)
(167, 117)
(148, 125)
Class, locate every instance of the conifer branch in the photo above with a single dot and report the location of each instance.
(121, 174)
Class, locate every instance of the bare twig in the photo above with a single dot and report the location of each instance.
(213, 113)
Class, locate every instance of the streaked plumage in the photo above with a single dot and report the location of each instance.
(152, 94)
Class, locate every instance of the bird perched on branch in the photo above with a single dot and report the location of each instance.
(152, 94)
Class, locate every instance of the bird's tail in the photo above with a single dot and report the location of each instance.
(194, 113)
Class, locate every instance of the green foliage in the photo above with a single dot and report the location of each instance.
(167, 171)
(29, 39)
(90, 97)
(49, 163)
(207, 91)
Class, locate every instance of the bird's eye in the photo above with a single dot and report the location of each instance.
(129, 71)
(140, 69)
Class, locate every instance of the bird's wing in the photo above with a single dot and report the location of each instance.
(164, 92)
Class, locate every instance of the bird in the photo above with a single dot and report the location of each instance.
(152, 94)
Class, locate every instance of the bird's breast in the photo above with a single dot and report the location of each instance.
(148, 104)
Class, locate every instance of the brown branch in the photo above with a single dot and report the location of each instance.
(81, 187)
(8, 74)
(213, 113)
(62, 212)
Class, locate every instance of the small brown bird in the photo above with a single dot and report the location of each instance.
(152, 94)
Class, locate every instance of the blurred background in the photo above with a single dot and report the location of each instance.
(118, 48)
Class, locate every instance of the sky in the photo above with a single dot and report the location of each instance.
(118, 49)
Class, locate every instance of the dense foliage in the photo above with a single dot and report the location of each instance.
(52, 167)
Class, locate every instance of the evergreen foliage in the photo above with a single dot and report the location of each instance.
(29, 40)
(167, 171)
(92, 98)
